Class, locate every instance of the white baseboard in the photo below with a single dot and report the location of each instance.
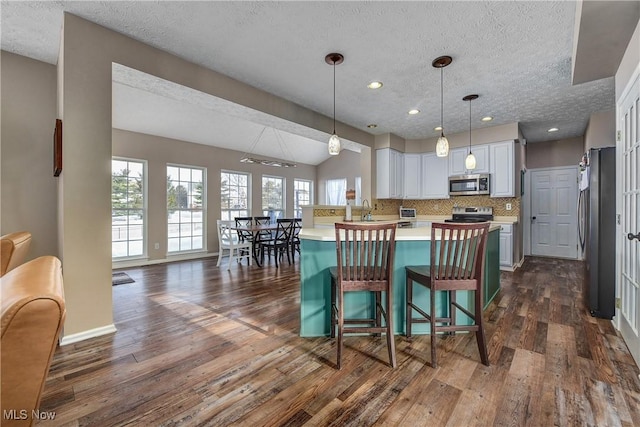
(85, 335)
(141, 262)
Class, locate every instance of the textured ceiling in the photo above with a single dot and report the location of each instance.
(515, 55)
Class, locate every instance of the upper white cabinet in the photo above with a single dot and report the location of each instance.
(502, 169)
(412, 176)
(457, 158)
(456, 161)
(435, 177)
(389, 174)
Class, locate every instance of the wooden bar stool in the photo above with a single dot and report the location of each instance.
(457, 264)
(365, 263)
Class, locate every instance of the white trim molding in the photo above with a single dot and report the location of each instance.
(85, 335)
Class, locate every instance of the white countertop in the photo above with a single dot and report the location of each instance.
(402, 234)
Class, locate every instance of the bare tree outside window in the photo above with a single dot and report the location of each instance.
(273, 197)
(234, 194)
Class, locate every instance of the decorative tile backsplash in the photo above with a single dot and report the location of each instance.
(433, 207)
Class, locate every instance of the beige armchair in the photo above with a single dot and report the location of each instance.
(15, 247)
(33, 312)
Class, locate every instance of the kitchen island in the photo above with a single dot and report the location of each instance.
(318, 254)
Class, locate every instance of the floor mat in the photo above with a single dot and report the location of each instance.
(120, 278)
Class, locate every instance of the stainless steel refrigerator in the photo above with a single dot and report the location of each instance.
(597, 230)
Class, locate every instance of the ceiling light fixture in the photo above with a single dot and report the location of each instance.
(437, 128)
(248, 158)
(334, 142)
(442, 146)
(374, 85)
(487, 119)
(414, 111)
(470, 161)
(372, 126)
(553, 130)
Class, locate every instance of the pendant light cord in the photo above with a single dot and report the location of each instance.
(441, 102)
(470, 126)
(334, 97)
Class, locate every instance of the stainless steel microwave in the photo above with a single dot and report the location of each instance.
(469, 185)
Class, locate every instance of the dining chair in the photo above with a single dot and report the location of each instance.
(365, 259)
(228, 239)
(263, 236)
(295, 237)
(456, 264)
(280, 242)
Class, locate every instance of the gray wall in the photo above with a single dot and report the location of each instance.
(29, 199)
(548, 154)
(158, 151)
(346, 165)
(601, 130)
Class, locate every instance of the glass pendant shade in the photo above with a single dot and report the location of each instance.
(442, 146)
(470, 161)
(334, 145)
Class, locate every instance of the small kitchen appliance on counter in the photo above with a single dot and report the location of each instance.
(471, 214)
(408, 217)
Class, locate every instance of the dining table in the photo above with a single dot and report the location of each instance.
(256, 231)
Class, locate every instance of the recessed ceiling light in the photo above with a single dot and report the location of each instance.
(437, 128)
(553, 130)
(414, 111)
(372, 126)
(487, 119)
(374, 85)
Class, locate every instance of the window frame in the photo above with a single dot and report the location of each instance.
(248, 209)
(191, 210)
(145, 210)
(296, 207)
(265, 211)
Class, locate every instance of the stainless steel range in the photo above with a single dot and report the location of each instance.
(471, 214)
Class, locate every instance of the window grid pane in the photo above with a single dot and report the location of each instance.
(185, 208)
(127, 208)
(302, 195)
(273, 197)
(234, 194)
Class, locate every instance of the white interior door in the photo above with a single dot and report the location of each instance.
(554, 201)
(628, 277)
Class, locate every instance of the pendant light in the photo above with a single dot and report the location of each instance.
(442, 146)
(470, 161)
(334, 142)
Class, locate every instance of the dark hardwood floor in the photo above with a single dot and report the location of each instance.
(200, 345)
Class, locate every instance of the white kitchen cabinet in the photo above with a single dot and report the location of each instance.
(458, 156)
(482, 158)
(456, 161)
(435, 177)
(389, 174)
(412, 178)
(501, 165)
(506, 246)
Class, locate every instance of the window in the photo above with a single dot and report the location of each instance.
(337, 191)
(302, 195)
(273, 197)
(185, 208)
(128, 208)
(358, 200)
(234, 194)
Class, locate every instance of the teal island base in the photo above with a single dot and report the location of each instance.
(318, 254)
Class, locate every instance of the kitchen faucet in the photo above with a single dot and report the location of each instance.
(362, 214)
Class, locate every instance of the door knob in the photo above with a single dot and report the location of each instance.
(632, 236)
(533, 218)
